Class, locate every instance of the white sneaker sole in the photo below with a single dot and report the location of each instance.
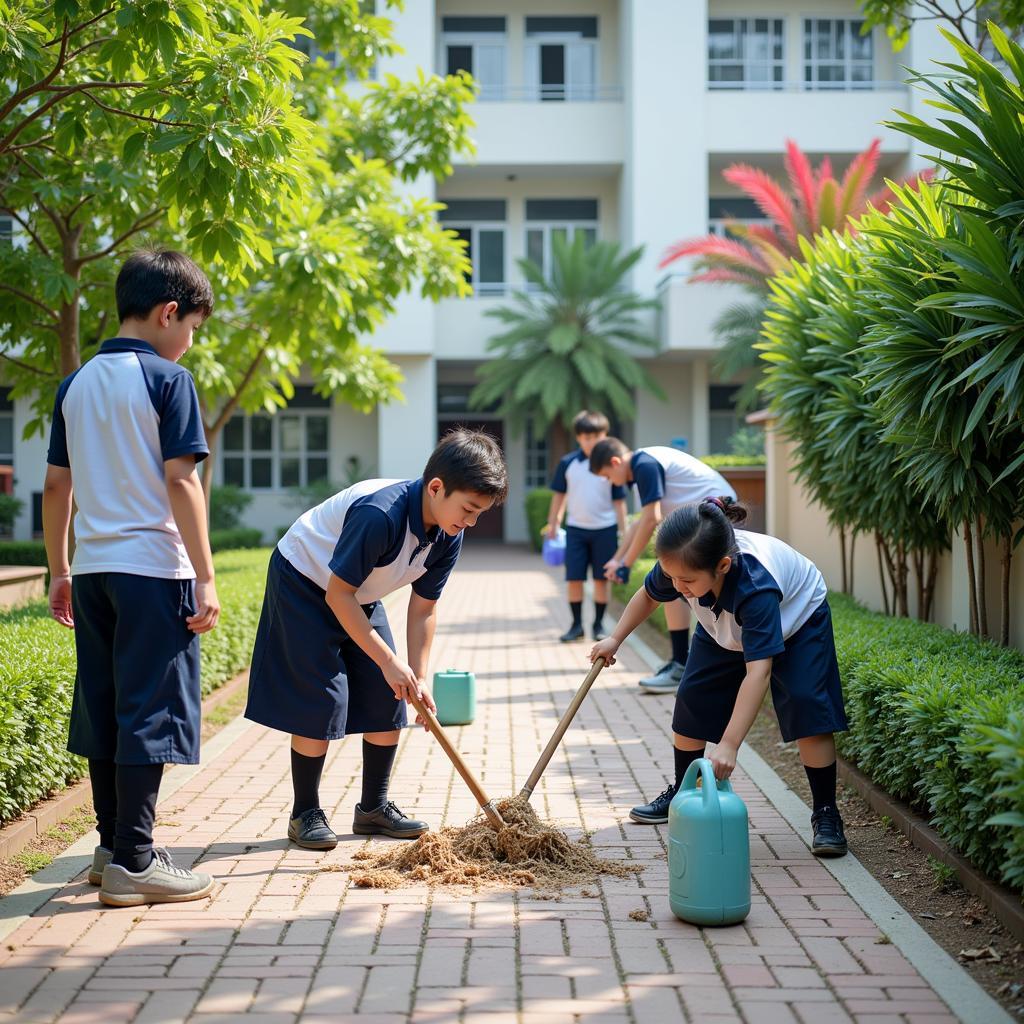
(657, 688)
(138, 899)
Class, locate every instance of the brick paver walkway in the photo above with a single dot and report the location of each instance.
(286, 937)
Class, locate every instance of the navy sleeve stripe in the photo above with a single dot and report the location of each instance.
(57, 453)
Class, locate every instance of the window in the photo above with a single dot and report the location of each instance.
(480, 223)
(732, 209)
(290, 449)
(561, 58)
(723, 420)
(745, 53)
(453, 400)
(6, 231)
(547, 219)
(836, 55)
(476, 45)
(536, 445)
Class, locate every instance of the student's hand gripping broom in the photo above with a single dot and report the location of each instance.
(490, 811)
(570, 713)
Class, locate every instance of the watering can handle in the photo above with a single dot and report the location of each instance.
(708, 783)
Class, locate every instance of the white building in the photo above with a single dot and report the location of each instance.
(611, 117)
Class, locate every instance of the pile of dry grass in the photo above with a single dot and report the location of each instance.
(525, 852)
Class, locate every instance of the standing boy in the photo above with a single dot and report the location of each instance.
(665, 479)
(324, 664)
(595, 515)
(126, 436)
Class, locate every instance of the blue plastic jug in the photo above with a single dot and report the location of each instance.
(553, 549)
(455, 697)
(708, 850)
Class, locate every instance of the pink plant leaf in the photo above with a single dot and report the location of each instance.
(855, 181)
(771, 200)
(720, 275)
(710, 246)
(801, 177)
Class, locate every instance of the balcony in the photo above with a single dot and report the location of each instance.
(463, 327)
(688, 312)
(821, 121)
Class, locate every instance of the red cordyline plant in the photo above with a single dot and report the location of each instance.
(819, 201)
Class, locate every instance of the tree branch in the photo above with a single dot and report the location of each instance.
(20, 97)
(24, 366)
(29, 298)
(40, 244)
(225, 414)
(137, 117)
(146, 221)
(83, 26)
(74, 209)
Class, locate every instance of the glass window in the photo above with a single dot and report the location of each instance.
(6, 428)
(726, 210)
(837, 55)
(548, 219)
(746, 53)
(536, 444)
(290, 449)
(476, 46)
(561, 58)
(485, 248)
(723, 420)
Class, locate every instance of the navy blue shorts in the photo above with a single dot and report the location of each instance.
(137, 697)
(806, 690)
(308, 677)
(591, 548)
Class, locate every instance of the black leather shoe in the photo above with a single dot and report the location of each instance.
(656, 812)
(387, 821)
(829, 840)
(311, 831)
(572, 633)
(599, 633)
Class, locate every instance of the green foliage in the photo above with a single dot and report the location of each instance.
(728, 461)
(238, 538)
(227, 503)
(897, 17)
(624, 591)
(22, 552)
(538, 501)
(747, 442)
(738, 329)
(570, 341)
(37, 674)
(10, 509)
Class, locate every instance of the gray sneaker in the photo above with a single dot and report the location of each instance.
(100, 859)
(665, 680)
(162, 882)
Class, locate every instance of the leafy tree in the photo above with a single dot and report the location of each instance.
(967, 18)
(571, 341)
(201, 126)
(750, 255)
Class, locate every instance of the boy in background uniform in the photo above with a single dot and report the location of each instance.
(595, 516)
(126, 436)
(665, 479)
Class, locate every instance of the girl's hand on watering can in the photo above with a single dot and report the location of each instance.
(723, 760)
(604, 649)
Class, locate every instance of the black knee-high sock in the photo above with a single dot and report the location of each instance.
(599, 613)
(377, 762)
(823, 785)
(577, 612)
(137, 788)
(306, 772)
(684, 758)
(680, 644)
(103, 776)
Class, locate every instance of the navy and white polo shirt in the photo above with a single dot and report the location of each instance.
(589, 497)
(769, 593)
(116, 421)
(371, 535)
(675, 478)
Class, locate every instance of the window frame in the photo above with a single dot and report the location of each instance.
(550, 226)
(276, 452)
(488, 289)
(774, 64)
(489, 92)
(567, 92)
(7, 456)
(811, 64)
(536, 453)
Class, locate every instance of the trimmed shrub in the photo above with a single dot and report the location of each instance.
(37, 675)
(22, 552)
(728, 461)
(227, 503)
(10, 509)
(538, 501)
(235, 539)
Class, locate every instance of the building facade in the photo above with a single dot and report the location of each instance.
(614, 118)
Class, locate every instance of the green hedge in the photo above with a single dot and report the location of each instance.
(936, 719)
(538, 501)
(37, 673)
(733, 461)
(237, 538)
(22, 552)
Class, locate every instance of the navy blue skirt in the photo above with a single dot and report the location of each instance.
(806, 689)
(308, 677)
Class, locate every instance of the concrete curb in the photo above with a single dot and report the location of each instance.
(951, 982)
(45, 884)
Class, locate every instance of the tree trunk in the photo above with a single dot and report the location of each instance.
(1005, 558)
(982, 596)
(853, 544)
(933, 573)
(843, 586)
(918, 556)
(206, 470)
(69, 315)
(902, 569)
(560, 442)
(972, 579)
(881, 572)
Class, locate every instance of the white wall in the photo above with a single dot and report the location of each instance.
(407, 431)
(29, 466)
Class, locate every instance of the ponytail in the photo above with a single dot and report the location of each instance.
(701, 534)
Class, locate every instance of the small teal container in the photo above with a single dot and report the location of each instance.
(708, 850)
(455, 697)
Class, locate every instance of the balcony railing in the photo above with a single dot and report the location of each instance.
(550, 94)
(874, 86)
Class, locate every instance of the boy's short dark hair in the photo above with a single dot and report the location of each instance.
(151, 277)
(469, 460)
(587, 422)
(604, 451)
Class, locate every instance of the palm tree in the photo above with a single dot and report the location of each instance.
(752, 254)
(571, 341)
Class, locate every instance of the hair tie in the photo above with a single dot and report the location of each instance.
(715, 501)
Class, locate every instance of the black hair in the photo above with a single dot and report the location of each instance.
(602, 453)
(469, 460)
(700, 535)
(152, 277)
(588, 422)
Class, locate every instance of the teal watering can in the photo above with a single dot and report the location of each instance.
(708, 850)
(455, 697)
